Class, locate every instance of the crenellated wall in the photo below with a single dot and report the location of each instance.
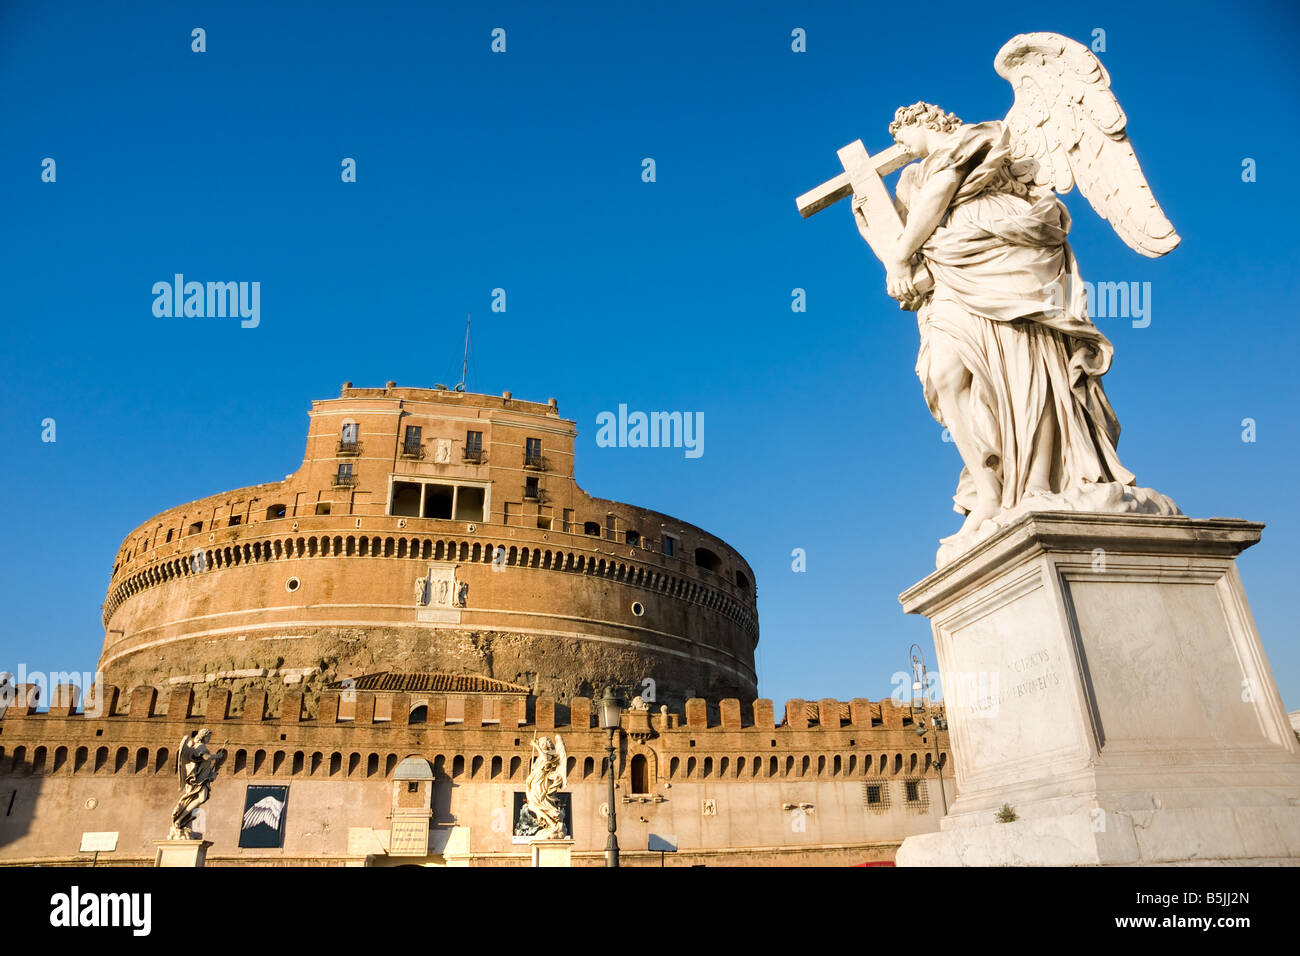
(730, 780)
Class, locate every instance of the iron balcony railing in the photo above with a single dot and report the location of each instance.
(412, 450)
(344, 481)
(349, 447)
(534, 462)
(472, 454)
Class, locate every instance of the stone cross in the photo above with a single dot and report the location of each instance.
(862, 179)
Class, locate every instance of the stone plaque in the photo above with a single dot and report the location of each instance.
(409, 838)
(101, 842)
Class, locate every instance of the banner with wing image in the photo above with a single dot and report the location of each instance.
(262, 826)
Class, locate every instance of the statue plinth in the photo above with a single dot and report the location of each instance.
(1104, 678)
(189, 853)
(552, 852)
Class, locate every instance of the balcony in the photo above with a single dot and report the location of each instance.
(345, 481)
(535, 462)
(473, 455)
(534, 494)
(349, 448)
(412, 451)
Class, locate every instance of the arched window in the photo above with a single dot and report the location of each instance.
(276, 511)
(742, 582)
(640, 774)
(706, 559)
(419, 715)
(592, 528)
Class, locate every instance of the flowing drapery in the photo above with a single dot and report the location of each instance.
(1009, 301)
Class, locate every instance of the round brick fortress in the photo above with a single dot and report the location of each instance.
(430, 530)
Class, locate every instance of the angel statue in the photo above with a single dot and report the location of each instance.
(548, 775)
(196, 767)
(975, 242)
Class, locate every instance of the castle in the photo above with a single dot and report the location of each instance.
(378, 639)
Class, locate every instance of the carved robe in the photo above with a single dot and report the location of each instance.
(1008, 297)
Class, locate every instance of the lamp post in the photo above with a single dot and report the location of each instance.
(611, 714)
(920, 678)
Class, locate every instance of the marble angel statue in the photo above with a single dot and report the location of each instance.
(196, 768)
(1009, 360)
(547, 776)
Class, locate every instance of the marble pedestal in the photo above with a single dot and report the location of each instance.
(552, 852)
(1103, 676)
(189, 853)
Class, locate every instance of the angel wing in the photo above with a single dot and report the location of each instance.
(1067, 128)
(563, 756)
(267, 810)
(183, 757)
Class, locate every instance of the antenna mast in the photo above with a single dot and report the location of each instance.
(464, 369)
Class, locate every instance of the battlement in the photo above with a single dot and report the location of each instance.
(450, 703)
(451, 396)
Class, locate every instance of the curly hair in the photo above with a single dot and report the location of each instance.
(924, 114)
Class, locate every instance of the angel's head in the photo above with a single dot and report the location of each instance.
(918, 126)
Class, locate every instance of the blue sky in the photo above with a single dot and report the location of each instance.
(522, 171)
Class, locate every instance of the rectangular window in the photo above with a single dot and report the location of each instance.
(455, 710)
(670, 545)
(473, 446)
(568, 520)
(610, 531)
(469, 503)
(532, 453)
(873, 793)
(437, 501)
(343, 477)
(350, 433)
(411, 447)
(531, 490)
(405, 501)
(236, 519)
(196, 527)
(169, 534)
(322, 507)
(544, 518)
(913, 791)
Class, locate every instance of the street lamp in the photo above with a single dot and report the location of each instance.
(920, 680)
(611, 716)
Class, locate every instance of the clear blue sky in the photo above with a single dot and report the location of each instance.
(523, 171)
